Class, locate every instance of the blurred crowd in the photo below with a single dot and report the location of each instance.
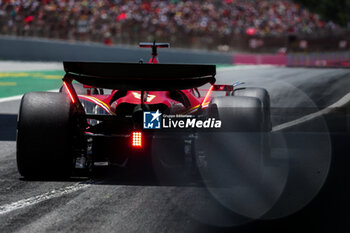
(128, 21)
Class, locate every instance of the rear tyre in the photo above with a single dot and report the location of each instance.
(235, 152)
(263, 96)
(44, 135)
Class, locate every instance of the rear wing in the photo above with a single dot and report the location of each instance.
(143, 77)
(154, 44)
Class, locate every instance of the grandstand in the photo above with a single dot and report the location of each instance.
(195, 23)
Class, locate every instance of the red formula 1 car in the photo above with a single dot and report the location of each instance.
(140, 115)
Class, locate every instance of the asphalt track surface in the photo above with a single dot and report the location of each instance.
(306, 187)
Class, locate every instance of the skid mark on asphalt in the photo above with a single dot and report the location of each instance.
(42, 197)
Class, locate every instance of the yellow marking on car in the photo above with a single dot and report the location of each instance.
(99, 101)
(191, 109)
(3, 84)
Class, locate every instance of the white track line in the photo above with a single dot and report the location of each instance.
(42, 197)
(12, 98)
(344, 100)
(10, 66)
(18, 97)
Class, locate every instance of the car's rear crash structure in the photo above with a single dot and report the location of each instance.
(83, 124)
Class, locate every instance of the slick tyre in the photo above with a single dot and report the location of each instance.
(263, 96)
(235, 152)
(44, 136)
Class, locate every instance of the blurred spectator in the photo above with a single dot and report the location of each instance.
(129, 21)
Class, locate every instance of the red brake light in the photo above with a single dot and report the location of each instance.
(136, 139)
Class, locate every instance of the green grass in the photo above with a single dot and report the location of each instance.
(17, 83)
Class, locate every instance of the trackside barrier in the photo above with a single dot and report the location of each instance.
(34, 49)
(341, 59)
(260, 59)
(319, 59)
